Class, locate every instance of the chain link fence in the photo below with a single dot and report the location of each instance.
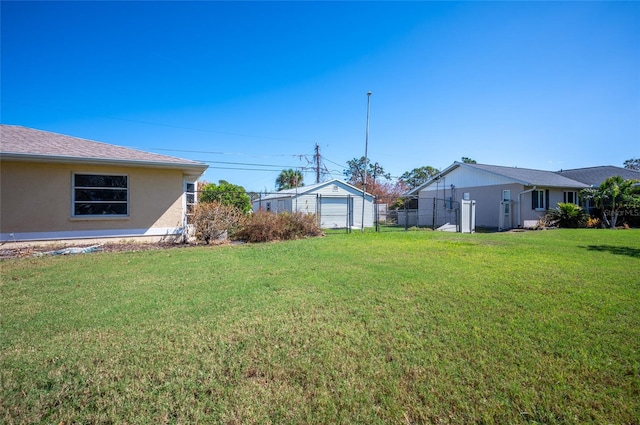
(347, 212)
(406, 212)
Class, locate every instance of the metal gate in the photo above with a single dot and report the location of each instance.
(427, 212)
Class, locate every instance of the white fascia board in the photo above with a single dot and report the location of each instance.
(199, 169)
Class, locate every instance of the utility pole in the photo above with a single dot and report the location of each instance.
(317, 158)
(366, 160)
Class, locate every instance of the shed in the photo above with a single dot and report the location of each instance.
(336, 203)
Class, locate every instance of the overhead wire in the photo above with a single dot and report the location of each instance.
(244, 166)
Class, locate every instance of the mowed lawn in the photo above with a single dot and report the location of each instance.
(389, 328)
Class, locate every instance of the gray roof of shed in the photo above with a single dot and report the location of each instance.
(18, 142)
(594, 176)
(302, 190)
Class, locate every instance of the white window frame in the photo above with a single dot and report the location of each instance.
(127, 189)
(189, 207)
(541, 195)
(506, 198)
(565, 196)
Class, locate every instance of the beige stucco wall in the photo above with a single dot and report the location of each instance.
(36, 197)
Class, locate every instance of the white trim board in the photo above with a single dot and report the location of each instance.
(90, 234)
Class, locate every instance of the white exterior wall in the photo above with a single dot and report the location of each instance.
(335, 208)
(463, 177)
(275, 205)
(338, 205)
(305, 203)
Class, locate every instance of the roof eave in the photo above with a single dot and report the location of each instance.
(303, 190)
(457, 164)
(187, 167)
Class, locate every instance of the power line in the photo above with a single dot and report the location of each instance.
(218, 153)
(246, 169)
(252, 165)
(333, 162)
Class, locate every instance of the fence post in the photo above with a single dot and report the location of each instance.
(348, 223)
(406, 214)
(376, 211)
(435, 214)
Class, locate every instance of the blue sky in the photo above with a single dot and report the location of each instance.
(251, 87)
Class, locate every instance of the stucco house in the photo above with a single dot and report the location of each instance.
(54, 187)
(506, 197)
(336, 203)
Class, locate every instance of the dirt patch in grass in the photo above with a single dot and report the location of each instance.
(22, 251)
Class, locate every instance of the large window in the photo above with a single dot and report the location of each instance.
(100, 195)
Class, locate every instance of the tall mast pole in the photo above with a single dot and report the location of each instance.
(366, 159)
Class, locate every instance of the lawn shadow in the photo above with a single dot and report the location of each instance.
(618, 250)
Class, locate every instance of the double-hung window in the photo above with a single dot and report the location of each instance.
(571, 198)
(100, 195)
(540, 199)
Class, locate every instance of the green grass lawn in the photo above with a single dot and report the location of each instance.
(396, 327)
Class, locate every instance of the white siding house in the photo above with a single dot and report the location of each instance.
(336, 203)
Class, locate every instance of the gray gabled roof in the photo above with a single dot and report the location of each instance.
(302, 190)
(594, 176)
(524, 176)
(22, 143)
(530, 177)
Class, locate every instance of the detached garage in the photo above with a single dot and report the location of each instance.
(336, 203)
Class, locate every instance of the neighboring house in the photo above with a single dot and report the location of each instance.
(336, 203)
(55, 187)
(594, 176)
(506, 197)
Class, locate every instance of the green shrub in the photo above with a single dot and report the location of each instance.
(214, 221)
(226, 193)
(567, 215)
(266, 226)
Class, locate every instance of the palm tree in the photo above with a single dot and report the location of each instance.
(614, 194)
(288, 179)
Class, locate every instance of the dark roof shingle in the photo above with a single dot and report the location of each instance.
(594, 176)
(530, 177)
